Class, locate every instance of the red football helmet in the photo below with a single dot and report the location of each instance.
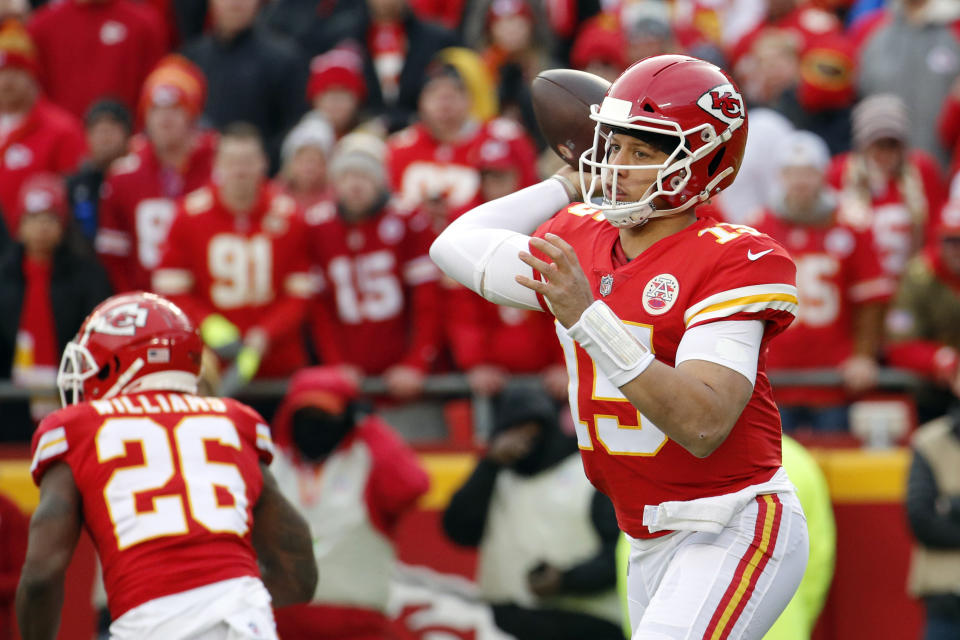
(680, 96)
(131, 342)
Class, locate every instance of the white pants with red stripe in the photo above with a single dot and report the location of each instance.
(730, 585)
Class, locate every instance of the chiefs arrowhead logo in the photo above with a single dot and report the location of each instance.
(723, 102)
(121, 321)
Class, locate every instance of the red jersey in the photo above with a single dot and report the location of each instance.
(379, 303)
(253, 269)
(138, 201)
(837, 269)
(711, 271)
(168, 483)
(121, 42)
(886, 211)
(422, 168)
(483, 333)
(47, 139)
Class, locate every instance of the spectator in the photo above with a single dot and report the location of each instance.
(948, 126)
(842, 288)
(35, 135)
(822, 100)
(429, 162)
(770, 68)
(923, 325)
(379, 312)
(400, 47)
(475, 21)
(235, 260)
(108, 130)
(646, 30)
(353, 479)
(514, 58)
(885, 185)
(120, 41)
(171, 158)
(802, 22)
(254, 75)
(933, 509)
(915, 55)
(305, 152)
(488, 341)
(336, 89)
(13, 550)
(542, 580)
(47, 290)
(740, 201)
(599, 47)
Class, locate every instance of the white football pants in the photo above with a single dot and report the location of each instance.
(730, 585)
(235, 609)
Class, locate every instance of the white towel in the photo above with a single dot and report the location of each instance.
(712, 514)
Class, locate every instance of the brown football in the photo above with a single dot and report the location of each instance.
(561, 103)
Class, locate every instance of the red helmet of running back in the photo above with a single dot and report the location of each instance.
(687, 99)
(131, 342)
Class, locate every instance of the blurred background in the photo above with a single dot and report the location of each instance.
(327, 142)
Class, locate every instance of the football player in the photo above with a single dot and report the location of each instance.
(664, 318)
(172, 487)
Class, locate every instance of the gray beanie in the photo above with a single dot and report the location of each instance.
(880, 116)
(360, 151)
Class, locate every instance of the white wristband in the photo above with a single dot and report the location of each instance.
(617, 354)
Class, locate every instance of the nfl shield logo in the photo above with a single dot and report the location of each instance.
(606, 284)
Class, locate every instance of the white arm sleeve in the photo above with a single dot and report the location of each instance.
(734, 344)
(479, 249)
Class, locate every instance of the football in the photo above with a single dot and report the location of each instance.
(561, 102)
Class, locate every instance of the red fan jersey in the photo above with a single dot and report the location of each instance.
(252, 269)
(379, 304)
(138, 200)
(710, 271)
(837, 269)
(47, 139)
(894, 227)
(168, 482)
(422, 168)
(121, 41)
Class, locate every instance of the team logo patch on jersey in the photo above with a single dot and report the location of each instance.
(660, 294)
(723, 102)
(606, 284)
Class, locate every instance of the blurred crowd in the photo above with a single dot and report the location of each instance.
(280, 168)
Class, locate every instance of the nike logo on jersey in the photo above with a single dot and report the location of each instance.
(756, 256)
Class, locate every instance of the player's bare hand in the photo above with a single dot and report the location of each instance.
(564, 284)
(403, 382)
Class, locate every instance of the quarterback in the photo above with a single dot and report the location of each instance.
(664, 318)
(193, 534)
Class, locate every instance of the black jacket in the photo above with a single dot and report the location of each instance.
(78, 284)
(321, 27)
(256, 77)
(83, 196)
